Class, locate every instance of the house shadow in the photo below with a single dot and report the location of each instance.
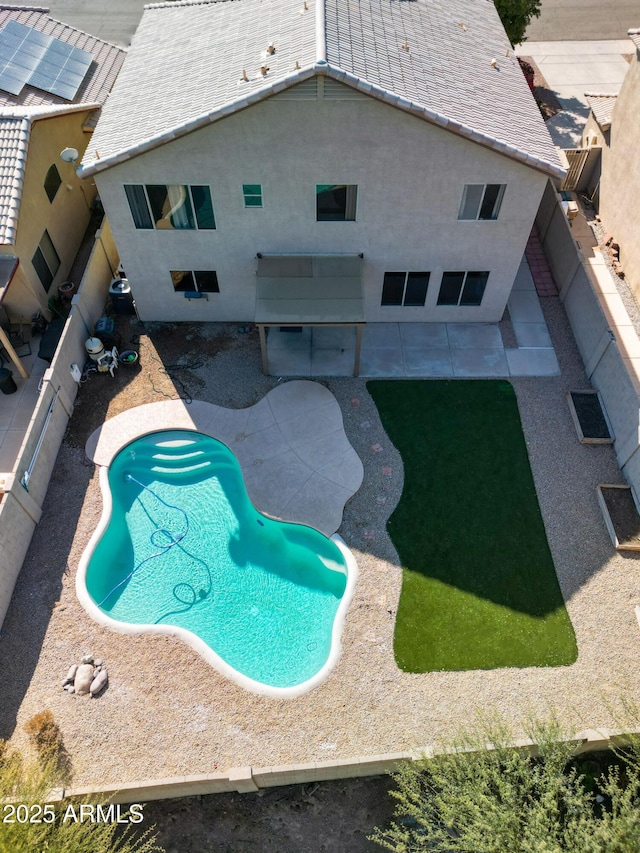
(39, 586)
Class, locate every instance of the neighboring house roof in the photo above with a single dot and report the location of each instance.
(15, 131)
(634, 35)
(602, 107)
(18, 112)
(446, 61)
(99, 78)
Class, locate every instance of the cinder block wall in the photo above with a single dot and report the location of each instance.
(20, 508)
(607, 341)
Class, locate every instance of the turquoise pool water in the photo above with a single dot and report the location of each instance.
(185, 547)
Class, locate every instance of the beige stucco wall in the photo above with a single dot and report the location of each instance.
(66, 218)
(410, 177)
(620, 181)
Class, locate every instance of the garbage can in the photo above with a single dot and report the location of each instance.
(121, 296)
(7, 385)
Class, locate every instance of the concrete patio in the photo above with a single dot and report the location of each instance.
(424, 350)
(296, 460)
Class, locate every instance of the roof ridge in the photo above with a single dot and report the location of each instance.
(321, 33)
(171, 4)
(45, 111)
(44, 9)
(600, 95)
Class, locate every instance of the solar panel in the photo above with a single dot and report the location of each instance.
(29, 57)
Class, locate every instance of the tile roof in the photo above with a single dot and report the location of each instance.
(101, 75)
(18, 112)
(447, 61)
(15, 131)
(14, 143)
(601, 107)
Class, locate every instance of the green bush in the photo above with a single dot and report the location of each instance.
(506, 800)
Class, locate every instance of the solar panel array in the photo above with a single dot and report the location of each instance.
(29, 57)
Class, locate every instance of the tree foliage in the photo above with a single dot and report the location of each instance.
(515, 16)
(25, 789)
(472, 799)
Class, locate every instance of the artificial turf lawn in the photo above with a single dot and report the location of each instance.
(479, 588)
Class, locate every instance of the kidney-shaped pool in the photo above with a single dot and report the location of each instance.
(181, 550)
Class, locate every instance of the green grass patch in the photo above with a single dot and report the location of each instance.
(479, 588)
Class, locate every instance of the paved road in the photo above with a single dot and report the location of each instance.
(583, 20)
(560, 20)
(112, 20)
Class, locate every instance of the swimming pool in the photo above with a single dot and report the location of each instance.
(181, 550)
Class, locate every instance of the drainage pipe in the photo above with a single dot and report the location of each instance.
(27, 474)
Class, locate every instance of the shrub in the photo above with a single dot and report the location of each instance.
(44, 733)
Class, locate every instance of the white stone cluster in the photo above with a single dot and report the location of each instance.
(90, 677)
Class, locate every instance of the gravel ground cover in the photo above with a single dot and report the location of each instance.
(166, 713)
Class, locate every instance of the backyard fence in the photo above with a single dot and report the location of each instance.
(20, 509)
(253, 779)
(605, 335)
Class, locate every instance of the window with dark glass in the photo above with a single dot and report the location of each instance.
(481, 201)
(336, 202)
(46, 261)
(252, 194)
(52, 182)
(405, 288)
(202, 281)
(462, 288)
(170, 206)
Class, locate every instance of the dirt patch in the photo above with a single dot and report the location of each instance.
(170, 357)
(624, 516)
(590, 415)
(546, 98)
(328, 816)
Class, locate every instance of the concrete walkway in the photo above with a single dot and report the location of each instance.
(572, 68)
(296, 460)
(424, 350)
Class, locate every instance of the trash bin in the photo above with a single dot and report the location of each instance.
(7, 385)
(121, 296)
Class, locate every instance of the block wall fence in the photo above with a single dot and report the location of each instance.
(605, 335)
(252, 779)
(20, 510)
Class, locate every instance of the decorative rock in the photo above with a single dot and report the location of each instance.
(87, 659)
(70, 689)
(99, 682)
(98, 662)
(71, 674)
(83, 679)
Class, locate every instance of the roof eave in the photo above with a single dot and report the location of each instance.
(322, 67)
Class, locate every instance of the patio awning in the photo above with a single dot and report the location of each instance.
(309, 290)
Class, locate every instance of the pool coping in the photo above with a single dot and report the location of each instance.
(296, 460)
(192, 639)
(302, 404)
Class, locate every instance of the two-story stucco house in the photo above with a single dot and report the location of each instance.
(321, 161)
(53, 82)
